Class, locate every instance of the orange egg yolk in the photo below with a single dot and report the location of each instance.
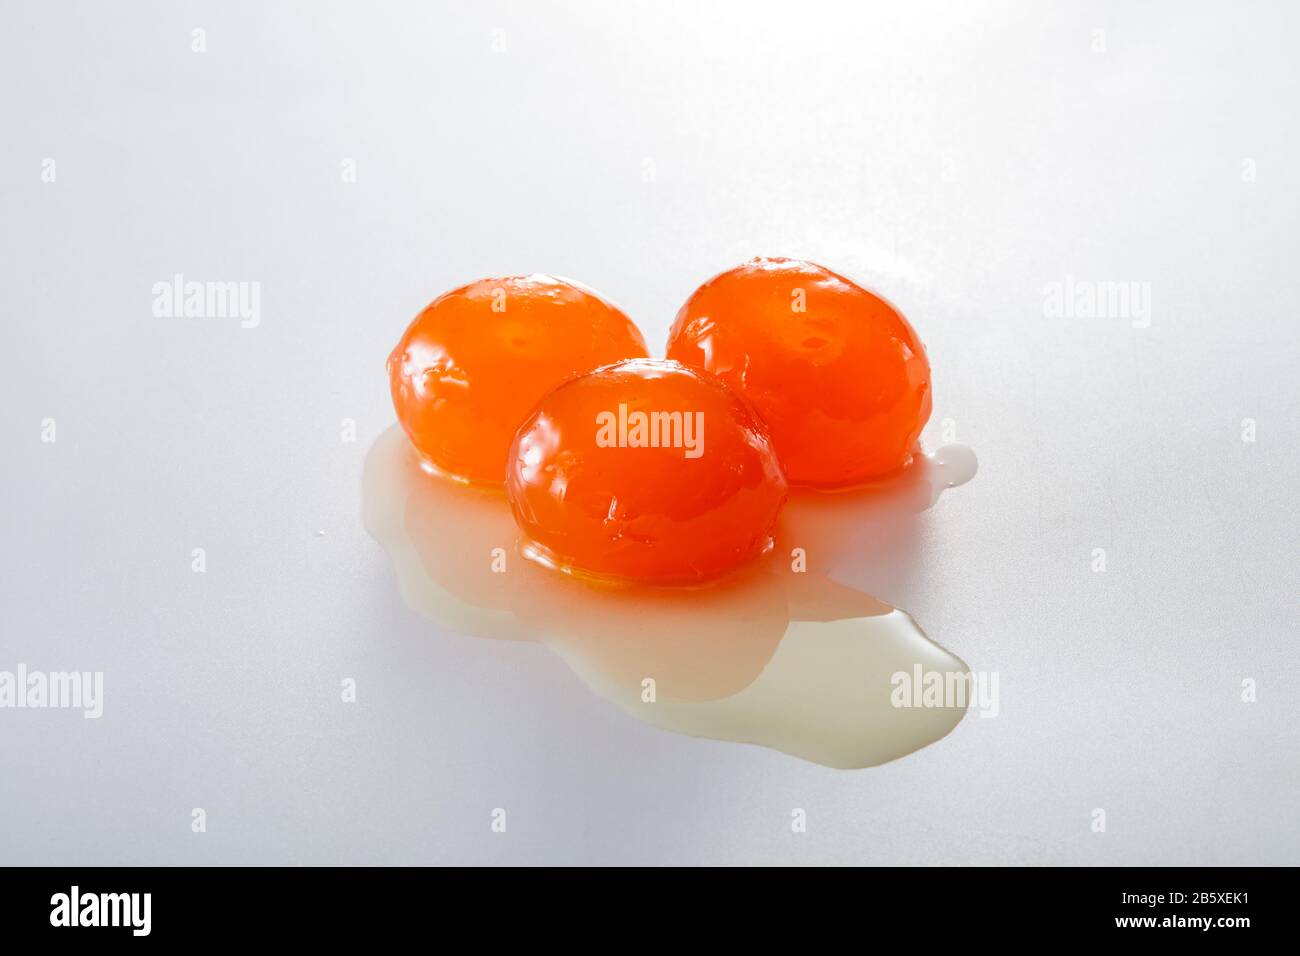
(837, 374)
(647, 471)
(476, 360)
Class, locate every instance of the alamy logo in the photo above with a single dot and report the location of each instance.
(638, 429)
(75, 908)
(1084, 299)
(959, 689)
(179, 299)
(66, 690)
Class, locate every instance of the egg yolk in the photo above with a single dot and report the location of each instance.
(473, 364)
(837, 374)
(647, 471)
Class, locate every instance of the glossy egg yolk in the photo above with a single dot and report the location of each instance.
(837, 374)
(647, 471)
(476, 360)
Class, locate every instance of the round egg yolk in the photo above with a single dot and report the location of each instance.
(473, 364)
(837, 374)
(647, 471)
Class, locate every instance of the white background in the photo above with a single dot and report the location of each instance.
(958, 158)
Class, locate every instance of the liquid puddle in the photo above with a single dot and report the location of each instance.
(770, 656)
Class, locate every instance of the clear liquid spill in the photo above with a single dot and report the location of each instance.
(772, 656)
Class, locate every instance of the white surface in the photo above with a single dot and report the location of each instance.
(957, 158)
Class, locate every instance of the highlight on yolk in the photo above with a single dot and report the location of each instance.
(645, 470)
(476, 360)
(837, 374)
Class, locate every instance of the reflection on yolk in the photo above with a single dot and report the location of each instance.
(837, 374)
(477, 359)
(645, 470)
